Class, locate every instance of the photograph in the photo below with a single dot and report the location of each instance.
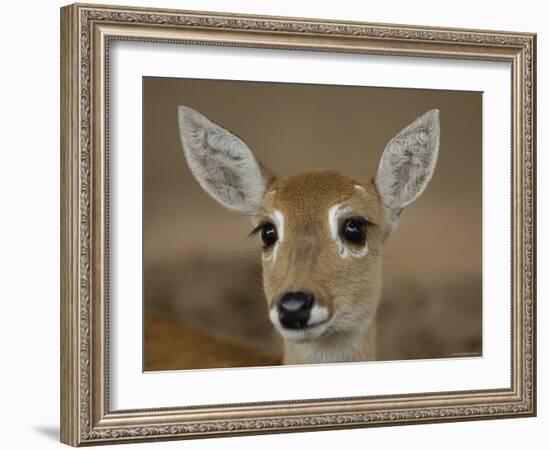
(274, 224)
(289, 224)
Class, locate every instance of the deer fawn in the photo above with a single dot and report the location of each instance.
(322, 232)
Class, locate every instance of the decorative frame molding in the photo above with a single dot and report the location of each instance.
(86, 31)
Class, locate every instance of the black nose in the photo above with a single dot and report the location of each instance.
(294, 309)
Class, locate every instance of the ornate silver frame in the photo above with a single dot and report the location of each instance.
(86, 31)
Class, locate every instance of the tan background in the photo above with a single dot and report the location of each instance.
(203, 300)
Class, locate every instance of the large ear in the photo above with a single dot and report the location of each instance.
(222, 163)
(407, 164)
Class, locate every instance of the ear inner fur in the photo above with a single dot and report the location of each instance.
(222, 163)
(408, 163)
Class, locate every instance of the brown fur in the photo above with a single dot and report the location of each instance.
(308, 258)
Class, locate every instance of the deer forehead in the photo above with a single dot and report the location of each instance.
(307, 202)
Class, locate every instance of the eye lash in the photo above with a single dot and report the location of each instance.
(256, 230)
(368, 223)
(361, 220)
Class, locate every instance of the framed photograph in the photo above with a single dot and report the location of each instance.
(275, 224)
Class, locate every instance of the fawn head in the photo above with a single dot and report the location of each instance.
(322, 231)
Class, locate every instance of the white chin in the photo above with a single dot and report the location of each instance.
(310, 332)
(302, 335)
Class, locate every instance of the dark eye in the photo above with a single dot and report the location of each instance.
(269, 234)
(355, 231)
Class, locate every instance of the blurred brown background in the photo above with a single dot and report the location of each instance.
(203, 299)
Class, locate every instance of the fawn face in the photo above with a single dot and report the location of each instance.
(322, 235)
(322, 232)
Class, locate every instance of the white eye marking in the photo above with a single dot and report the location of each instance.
(334, 214)
(361, 252)
(279, 221)
(359, 188)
